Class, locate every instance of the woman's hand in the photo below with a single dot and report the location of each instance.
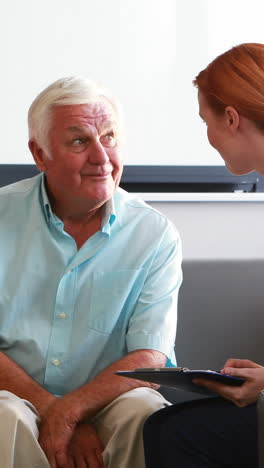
(239, 363)
(248, 392)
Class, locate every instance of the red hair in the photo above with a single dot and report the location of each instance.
(236, 78)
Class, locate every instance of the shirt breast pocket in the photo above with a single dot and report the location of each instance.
(113, 297)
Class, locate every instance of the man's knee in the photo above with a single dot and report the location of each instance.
(14, 411)
(141, 403)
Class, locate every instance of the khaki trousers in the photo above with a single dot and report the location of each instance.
(119, 426)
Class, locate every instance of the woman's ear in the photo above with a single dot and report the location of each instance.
(38, 154)
(232, 119)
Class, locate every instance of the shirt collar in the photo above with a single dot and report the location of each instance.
(109, 216)
(45, 200)
(109, 211)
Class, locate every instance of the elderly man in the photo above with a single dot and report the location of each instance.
(89, 284)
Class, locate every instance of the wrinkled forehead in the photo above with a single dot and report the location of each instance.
(91, 109)
(98, 112)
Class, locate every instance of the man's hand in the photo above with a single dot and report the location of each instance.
(57, 428)
(85, 449)
(59, 422)
(248, 392)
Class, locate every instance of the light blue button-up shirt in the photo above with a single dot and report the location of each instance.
(66, 314)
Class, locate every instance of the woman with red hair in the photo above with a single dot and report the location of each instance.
(222, 431)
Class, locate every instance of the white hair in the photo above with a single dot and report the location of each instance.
(71, 90)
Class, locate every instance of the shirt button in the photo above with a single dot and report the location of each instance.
(56, 362)
(63, 315)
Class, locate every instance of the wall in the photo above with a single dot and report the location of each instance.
(215, 230)
(146, 51)
(135, 47)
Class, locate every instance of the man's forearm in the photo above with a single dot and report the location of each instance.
(89, 399)
(14, 379)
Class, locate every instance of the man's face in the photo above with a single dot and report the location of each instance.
(83, 161)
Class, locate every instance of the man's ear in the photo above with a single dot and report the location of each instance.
(232, 119)
(38, 155)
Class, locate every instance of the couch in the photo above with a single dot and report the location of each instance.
(220, 315)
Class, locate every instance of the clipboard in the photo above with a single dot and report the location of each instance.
(181, 378)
